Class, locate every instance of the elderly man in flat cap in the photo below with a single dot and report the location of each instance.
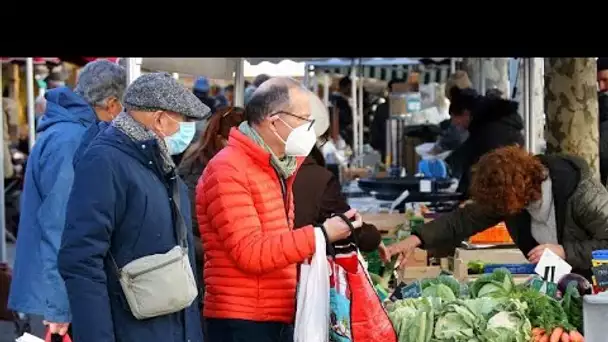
(37, 287)
(126, 254)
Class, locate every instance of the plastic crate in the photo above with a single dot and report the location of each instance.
(513, 268)
(494, 235)
(595, 315)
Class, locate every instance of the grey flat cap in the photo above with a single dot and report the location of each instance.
(160, 91)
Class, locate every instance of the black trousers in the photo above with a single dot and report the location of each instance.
(236, 330)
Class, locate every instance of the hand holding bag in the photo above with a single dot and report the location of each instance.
(161, 284)
(357, 314)
(56, 337)
(312, 313)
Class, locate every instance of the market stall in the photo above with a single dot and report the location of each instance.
(462, 298)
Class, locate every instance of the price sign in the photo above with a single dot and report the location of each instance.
(601, 275)
(413, 290)
(551, 267)
(426, 185)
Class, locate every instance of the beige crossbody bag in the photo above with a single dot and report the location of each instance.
(160, 284)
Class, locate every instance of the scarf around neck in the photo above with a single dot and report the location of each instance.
(137, 132)
(286, 166)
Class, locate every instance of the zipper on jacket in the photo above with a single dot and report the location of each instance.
(156, 267)
(284, 193)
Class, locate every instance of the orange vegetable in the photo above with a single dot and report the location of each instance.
(565, 337)
(538, 331)
(544, 338)
(575, 336)
(556, 335)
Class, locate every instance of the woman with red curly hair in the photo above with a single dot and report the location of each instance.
(547, 202)
(198, 155)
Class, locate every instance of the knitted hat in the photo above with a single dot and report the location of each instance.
(160, 91)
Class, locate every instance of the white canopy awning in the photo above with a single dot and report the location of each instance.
(220, 68)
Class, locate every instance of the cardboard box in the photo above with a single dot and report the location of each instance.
(418, 259)
(384, 222)
(351, 173)
(410, 274)
(492, 256)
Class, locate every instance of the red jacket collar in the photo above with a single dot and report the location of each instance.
(257, 153)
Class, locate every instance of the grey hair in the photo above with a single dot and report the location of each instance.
(271, 97)
(259, 79)
(99, 80)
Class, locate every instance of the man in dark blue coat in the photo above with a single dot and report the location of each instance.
(37, 287)
(120, 210)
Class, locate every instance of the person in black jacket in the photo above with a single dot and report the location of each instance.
(378, 126)
(198, 155)
(340, 100)
(492, 123)
(602, 96)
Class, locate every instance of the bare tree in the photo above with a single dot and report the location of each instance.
(572, 108)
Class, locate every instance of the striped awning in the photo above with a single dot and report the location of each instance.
(428, 74)
(37, 60)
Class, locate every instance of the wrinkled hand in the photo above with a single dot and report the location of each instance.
(404, 249)
(337, 229)
(537, 252)
(384, 254)
(57, 328)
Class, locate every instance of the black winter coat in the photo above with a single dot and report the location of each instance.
(603, 106)
(581, 215)
(495, 123)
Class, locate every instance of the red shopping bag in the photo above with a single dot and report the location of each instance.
(56, 338)
(356, 312)
(369, 320)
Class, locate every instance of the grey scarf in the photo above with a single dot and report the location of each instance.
(286, 166)
(137, 132)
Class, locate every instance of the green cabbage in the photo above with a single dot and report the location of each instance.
(498, 283)
(439, 291)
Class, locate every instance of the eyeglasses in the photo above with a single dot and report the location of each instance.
(312, 122)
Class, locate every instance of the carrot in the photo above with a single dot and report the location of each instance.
(565, 337)
(575, 336)
(538, 331)
(556, 334)
(544, 338)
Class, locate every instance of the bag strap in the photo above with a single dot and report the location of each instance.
(329, 247)
(350, 226)
(179, 223)
(181, 231)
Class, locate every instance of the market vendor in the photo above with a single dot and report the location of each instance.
(546, 201)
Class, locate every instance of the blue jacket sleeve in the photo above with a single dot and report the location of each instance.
(85, 244)
(56, 177)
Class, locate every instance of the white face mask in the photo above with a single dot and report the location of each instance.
(300, 141)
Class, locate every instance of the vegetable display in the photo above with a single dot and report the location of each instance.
(497, 311)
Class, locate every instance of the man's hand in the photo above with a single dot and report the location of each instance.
(384, 254)
(337, 229)
(404, 248)
(537, 252)
(57, 328)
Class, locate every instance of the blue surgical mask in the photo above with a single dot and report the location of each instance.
(179, 141)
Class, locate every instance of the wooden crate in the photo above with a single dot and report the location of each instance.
(384, 222)
(410, 274)
(491, 256)
(460, 271)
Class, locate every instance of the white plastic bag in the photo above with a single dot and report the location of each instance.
(312, 314)
(29, 338)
